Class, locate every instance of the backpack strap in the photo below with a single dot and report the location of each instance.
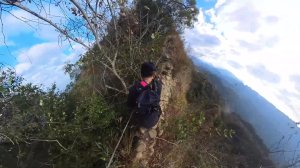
(143, 83)
(154, 85)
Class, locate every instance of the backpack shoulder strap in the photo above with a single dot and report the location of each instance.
(143, 83)
(154, 87)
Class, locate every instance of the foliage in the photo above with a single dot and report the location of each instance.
(227, 133)
(163, 15)
(86, 132)
(188, 125)
(9, 81)
(75, 128)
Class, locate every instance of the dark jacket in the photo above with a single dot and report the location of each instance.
(145, 120)
(137, 89)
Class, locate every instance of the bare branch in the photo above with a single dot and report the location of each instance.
(4, 3)
(3, 35)
(49, 140)
(92, 28)
(114, 20)
(91, 8)
(5, 136)
(17, 4)
(113, 154)
(167, 141)
(115, 89)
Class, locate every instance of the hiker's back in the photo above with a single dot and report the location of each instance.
(146, 103)
(144, 97)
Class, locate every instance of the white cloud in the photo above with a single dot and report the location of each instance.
(12, 26)
(41, 63)
(44, 63)
(254, 34)
(261, 72)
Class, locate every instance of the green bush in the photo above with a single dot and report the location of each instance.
(79, 132)
(187, 125)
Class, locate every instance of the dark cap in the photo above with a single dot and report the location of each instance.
(147, 69)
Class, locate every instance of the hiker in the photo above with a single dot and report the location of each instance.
(144, 97)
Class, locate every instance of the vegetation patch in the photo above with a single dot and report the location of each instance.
(200, 135)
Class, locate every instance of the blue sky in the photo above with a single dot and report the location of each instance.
(206, 4)
(256, 40)
(23, 40)
(36, 52)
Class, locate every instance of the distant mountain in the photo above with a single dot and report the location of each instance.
(280, 134)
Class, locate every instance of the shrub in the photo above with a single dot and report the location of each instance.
(73, 132)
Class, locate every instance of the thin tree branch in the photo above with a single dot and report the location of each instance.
(114, 21)
(3, 35)
(49, 140)
(7, 138)
(4, 3)
(115, 89)
(64, 32)
(166, 141)
(113, 154)
(92, 28)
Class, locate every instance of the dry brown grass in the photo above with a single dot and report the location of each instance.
(209, 149)
(211, 145)
(174, 47)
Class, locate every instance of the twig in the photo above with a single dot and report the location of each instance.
(92, 28)
(213, 156)
(49, 140)
(3, 35)
(112, 156)
(115, 89)
(7, 138)
(19, 5)
(167, 141)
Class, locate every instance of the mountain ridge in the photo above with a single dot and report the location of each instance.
(278, 132)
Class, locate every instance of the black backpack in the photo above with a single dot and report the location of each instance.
(148, 108)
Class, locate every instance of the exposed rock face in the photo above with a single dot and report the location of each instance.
(141, 147)
(152, 133)
(168, 83)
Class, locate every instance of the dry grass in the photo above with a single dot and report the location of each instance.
(218, 142)
(174, 47)
(210, 150)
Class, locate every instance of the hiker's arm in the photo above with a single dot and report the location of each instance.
(158, 84)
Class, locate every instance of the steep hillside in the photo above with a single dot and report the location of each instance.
(277, 131)
(196, 132)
